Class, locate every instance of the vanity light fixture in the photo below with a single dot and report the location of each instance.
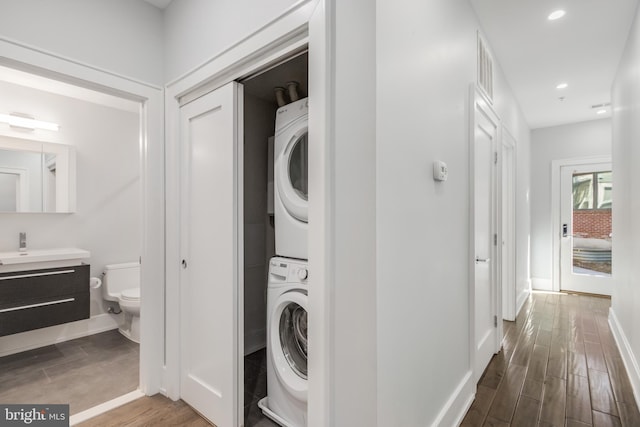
(27, 122)
(562, 86)
(556, 14)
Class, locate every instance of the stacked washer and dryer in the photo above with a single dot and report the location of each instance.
(286, 401)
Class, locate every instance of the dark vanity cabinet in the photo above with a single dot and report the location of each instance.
(34, 299)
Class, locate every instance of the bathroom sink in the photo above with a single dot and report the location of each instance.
(41, 258)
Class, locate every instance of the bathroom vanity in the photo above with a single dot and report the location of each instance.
(42, 288)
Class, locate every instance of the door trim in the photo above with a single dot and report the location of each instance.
(152, 278)
(476, 93)
(556, 166)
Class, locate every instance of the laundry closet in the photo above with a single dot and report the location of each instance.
(261, 100)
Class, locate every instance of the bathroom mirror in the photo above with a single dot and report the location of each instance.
(36, 176)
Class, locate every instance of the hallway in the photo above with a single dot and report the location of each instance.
(559, 366)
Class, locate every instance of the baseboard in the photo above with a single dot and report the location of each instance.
(522, 298)
(29, 340)
(540, 284)
(628, 357)
(458, 403)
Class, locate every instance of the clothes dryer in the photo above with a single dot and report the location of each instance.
(286, 401)
(291, 179)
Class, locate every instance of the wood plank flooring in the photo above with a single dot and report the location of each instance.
(149, 411)
(559, 366)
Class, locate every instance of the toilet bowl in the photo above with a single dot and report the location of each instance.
(121, 284)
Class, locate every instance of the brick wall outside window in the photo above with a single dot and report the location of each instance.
(592, 223)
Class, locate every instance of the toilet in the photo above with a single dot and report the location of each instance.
(121, 284)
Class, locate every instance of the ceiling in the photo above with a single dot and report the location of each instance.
(162, 4)
(582, 49)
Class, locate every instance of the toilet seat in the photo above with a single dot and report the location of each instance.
(132, 294)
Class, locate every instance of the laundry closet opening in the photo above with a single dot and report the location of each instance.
(275, 171)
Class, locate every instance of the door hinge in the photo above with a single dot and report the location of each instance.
(495, 157)
(495, 321)
(495, 239)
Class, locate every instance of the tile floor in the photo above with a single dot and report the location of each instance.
(559, 366)
(255, 388)
(83, 372)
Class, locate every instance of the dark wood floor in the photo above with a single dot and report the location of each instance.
(82, 373)
(559, 367)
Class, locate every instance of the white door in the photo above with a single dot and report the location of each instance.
(484, 145)
(209, 248)
(585, 228)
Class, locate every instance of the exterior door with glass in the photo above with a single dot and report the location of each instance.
(585, 228)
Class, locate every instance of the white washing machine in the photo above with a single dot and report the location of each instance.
(291, 179)
(286, 401)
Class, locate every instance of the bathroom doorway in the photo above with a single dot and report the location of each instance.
(88, 362)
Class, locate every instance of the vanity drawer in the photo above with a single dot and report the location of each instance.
(42, 313)
(34, 299)
(24, 286)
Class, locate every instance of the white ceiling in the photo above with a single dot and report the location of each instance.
(582, 49)
(162, 4)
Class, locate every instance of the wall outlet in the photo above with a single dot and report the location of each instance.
(440, 170)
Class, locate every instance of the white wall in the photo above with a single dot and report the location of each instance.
(197, 30)
(585, 139)
(122, 36)
(426, 62)
(107, 220)
(625, 309)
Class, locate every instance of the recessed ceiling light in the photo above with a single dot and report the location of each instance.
(556, 14)
(562, 86)
(601, 111)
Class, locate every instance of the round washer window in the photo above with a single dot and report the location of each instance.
(293, 337)
(298, 167)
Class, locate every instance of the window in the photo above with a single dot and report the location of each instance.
(592, 190)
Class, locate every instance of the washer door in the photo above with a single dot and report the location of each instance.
(293, 173)
(288, 340)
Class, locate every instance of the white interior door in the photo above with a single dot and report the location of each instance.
(209, 283)
(484, 145)
(585, 228)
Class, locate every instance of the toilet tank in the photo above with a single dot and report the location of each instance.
(119, 277)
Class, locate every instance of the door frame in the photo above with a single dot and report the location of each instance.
(556, 221)
(476, 93)
(508, 156)
(303, 26)
(14, 54)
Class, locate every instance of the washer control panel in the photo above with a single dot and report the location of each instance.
(288, 270)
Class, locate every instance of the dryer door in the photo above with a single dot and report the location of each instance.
(293, 172)
(289, 342)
